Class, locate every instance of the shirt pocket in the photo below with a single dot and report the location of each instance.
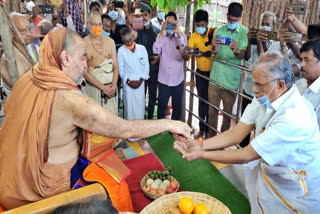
(141, 60)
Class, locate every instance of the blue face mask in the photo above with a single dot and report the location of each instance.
(146, 24)
(169, 32)
(105, 33)
(267, 28)
(264, 100)
(161, 15)
(114, 15)
(201, 30)
(232, 26)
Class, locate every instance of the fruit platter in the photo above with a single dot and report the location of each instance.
(158, 183)
(186, 203)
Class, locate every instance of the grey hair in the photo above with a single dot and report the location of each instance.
(14, 14)
(44, 21)
(269, 13)
(70, 40)
(277, 66)
(93, 13)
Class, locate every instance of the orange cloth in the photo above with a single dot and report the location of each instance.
(2, 210)
(25, 174)
(100, 151)
(119, 193)
(37, 20)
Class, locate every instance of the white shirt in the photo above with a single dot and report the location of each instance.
(312, 94)
(133, 66)
(155, 22)
(291, 135)
(34, 55)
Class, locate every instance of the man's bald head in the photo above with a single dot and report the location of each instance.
(72, 41)
(73, 56)
(23, 26)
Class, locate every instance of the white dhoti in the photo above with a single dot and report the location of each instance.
(134, 104)
(104, 74)
(275, 189)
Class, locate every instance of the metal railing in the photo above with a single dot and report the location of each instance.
(238, 93)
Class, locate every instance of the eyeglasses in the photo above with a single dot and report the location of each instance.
(259, 86)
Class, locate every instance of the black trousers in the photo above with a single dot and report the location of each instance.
(202, 88)
(165, 92)
(152, 85)
(245, 102)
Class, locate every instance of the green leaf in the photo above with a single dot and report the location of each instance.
(153, 3)
(161, 4)
(173, 3)
(201, 3)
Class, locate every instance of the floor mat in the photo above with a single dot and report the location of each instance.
(199, 175)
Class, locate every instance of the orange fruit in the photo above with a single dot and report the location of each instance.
(200, 209)
(186, 205)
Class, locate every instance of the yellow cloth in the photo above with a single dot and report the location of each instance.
(196, 40)
(104, 74)
(136, 147)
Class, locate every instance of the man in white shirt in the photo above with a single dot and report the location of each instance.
(134, 70)
(283, 170)
(310, 70)
(157, 21)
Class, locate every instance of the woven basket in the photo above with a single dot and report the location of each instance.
(164, 204)
(151, 195)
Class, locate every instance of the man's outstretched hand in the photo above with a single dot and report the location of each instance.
(180, 128)
(190, 149)
(2, 2)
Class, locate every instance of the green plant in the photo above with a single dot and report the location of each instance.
(172, 4)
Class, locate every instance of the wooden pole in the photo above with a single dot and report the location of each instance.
(8, 48)
(85, 7)
(188, 18)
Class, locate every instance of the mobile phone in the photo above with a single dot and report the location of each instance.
(272, 35)
(299, 9)
(48, 9)
(193, 51)
(295, 37)
(137, 22)
(171, 26)
(225, 40)
(45, 29)
(118, 4)
(253, 40)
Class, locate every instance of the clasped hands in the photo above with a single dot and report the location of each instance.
(189, 148)
(109, 90)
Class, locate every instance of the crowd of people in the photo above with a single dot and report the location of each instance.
(123, 46)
